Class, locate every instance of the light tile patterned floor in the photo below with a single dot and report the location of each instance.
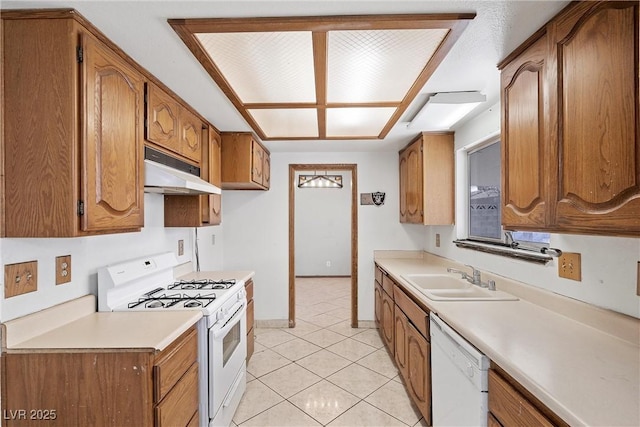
(323, 372)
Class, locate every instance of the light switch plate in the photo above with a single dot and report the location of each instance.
(20, 278)
(180, 247)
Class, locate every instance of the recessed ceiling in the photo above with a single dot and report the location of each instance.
(341, 77)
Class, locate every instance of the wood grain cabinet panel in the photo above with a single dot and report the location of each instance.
(401, 325)
(571, 123)
(427, 180)
(377, 296)
(190, 135)
(388, 321)
(73, 129)
(419, 367)
(103, 388)
(246, 163)
(250, 319)
(162, 118)
(524, 135)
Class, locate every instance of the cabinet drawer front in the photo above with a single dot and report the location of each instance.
(387, 285)
(416, 315)
(250, 315)
(510, 407)
(181, 403)
(379, 275)
(173, 362)
(248, 287)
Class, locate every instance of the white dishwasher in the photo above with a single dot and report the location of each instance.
(458, 378)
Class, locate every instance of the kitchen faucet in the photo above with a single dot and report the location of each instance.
(474, 278)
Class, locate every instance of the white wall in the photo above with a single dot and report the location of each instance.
(323, 229)
(87, 255)
(256, 229)
(608, 263)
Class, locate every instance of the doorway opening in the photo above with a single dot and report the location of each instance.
(353, 267)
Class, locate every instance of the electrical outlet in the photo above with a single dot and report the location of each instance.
(20, 278)
(180, 247)
(569, 266)
(63, 269)
(213, 240)
(437, 240)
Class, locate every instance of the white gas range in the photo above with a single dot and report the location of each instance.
(149, 284)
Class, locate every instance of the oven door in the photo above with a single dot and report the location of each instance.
(228, 351)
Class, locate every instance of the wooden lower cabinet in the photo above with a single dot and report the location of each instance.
(401, 326)
(250, 319)
(103, 388)
(511, 405)
(377, 297)
(419, 369)
(387, 322)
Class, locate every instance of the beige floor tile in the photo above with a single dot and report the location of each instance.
(324, 363)
(358, 380)
(380, 362)
(272, 337)
(344, 328)
(393, 399)
(284, 414)
(323, 320)
(324, 401)
(265, 362)
(250, 377)
(296, 349)
(351, 349)
(340, 313)
(303, 328)
(421, 423)
(324, 337)
(365, 415)
(370, 337)
(289, 380)
(257, 398)
(257, 347)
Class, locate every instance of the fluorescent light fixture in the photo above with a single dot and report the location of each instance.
(320, 181)
(445, 109)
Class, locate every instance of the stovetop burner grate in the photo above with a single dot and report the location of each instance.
(167, 301)
(202, 284)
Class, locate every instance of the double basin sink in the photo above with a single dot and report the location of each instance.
(445, 287)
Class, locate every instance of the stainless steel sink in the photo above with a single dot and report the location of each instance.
(444, 287)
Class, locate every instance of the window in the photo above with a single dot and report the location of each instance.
(484, 172)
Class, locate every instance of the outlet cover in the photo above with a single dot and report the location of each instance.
(569, 266)
(20, 278)
(63, 269)
(180, 247)
(437, 240)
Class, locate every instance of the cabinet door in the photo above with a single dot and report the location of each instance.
(401, 324)
(257, 163)
(387, 322)
(112, 162)
(594, 50)
(419, 367)
(266, 170)
(162, 119)
(524, 138)
(215, 157)
(377, 296)
(190, 135)
(411, 178)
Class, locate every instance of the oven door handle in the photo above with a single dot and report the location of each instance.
(236, 310)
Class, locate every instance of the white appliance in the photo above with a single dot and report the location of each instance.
(459, 378)
(149, 284)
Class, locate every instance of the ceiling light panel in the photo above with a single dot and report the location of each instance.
(357, 122)
(287, 122)
(377, 65)
(264, 67)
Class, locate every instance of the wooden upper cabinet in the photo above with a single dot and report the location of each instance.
(246, 163)
(112, 155)
(162, 118)
(594, 51)
(199, 210)
(571, 123)
(523, 138)
(427, 180)
(72, 130)
(172, 126)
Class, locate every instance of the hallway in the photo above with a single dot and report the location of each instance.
(323, 372)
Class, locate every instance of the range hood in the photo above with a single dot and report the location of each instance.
(167, 175)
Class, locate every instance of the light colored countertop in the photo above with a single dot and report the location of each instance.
(588, 374)
(77, 326)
